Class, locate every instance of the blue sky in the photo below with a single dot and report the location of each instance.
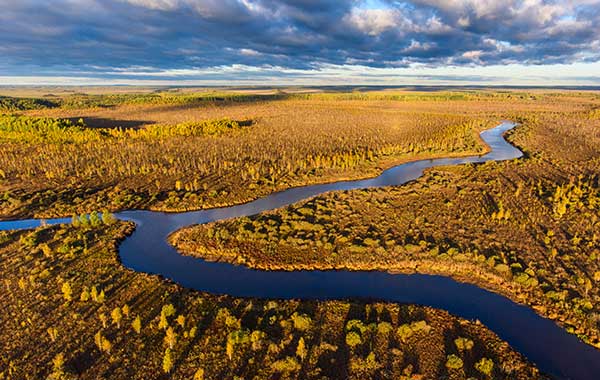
(312, 42)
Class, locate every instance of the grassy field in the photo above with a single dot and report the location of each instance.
(90, 152)
(528, 228)
(70, 310)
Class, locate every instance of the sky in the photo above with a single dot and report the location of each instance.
(300, 42)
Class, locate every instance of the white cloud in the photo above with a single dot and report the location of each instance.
(250, 52)
(163, 5)
(374, 21)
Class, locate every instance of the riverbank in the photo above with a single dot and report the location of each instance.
(522, 229)
(94, 318)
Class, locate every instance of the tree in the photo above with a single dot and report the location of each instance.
(102, 342)
(163, 323)
(167, 361)
(58, 367)
(199, 375)
(103, 319)
(85, 295)
(454, 362)
(67, 291)
(302, 322)
(301, 350)
(166, 311)
(485, 366)
(83, 220)
(75, 221)
(94, 294)
(117, 316)
(53, 332)
(353, 339)
(170, 338)
(181, 321)
(256, 339)
(463, 344)
(137, 324)
(94, 219)
(108, 218)
(229, 349)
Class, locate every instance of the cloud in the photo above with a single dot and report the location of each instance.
(374, 21)
(67, 37)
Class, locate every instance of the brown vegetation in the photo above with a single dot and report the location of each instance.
(294, 140)
(527, 228)
(71, 311)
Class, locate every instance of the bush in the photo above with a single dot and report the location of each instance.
(454, 362)
(485, 366)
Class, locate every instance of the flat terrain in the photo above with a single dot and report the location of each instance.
(70, 310)
(527, 228)
(108, 158)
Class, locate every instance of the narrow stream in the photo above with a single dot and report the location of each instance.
(541, 340)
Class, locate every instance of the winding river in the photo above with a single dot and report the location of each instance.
(550, 347)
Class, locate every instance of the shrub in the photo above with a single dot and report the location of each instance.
(454, 362)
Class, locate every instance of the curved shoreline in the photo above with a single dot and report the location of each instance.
(541, 340)
(378, 169)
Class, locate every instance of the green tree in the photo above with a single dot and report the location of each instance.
(83, 220)
(94, 219)
(454, 362)
(75, 221)
(463, 344)
(108, 218)
(353, 339)
(485, 366)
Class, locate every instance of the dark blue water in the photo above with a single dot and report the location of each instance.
(542, 341)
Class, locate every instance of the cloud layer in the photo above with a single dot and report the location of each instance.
(133, 37)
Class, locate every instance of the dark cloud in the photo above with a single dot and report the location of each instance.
(97, 36)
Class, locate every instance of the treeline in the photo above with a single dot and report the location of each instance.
(77, 101)
(28, 129)
(81, 101)
(21, 104)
